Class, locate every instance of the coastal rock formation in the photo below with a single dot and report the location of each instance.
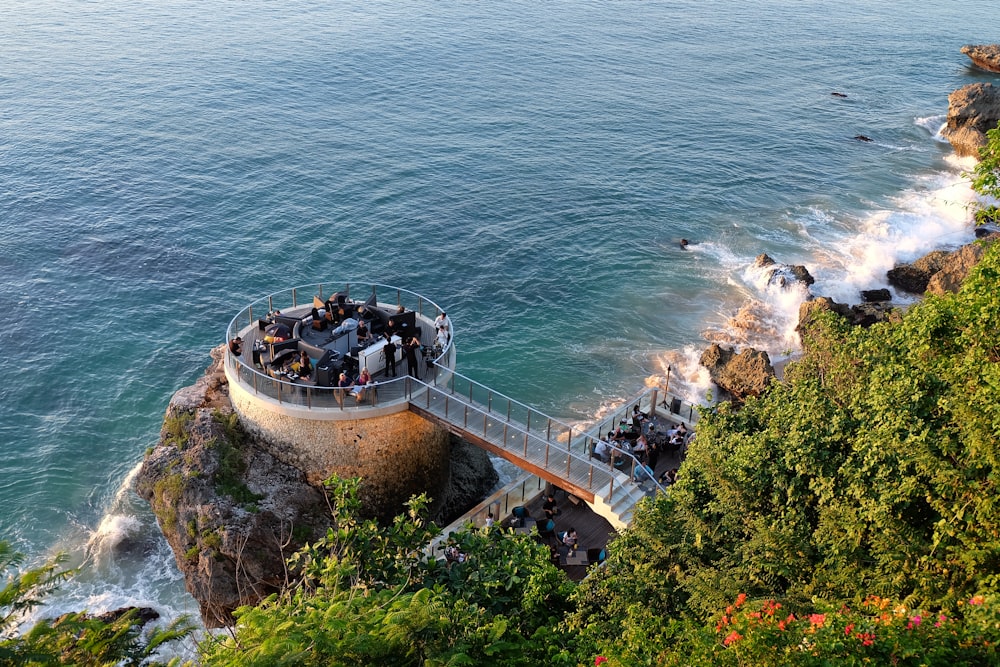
(955, 269)
(783, 274)
(985, 56)
(232, 512)
(740, 375)
(940, 271)
(972, 111)
(875, 295)
(914, 277)
(863, 315)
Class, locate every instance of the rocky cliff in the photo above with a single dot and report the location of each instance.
(233, 513)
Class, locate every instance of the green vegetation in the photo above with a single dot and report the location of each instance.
(986, 178)
(229, 476)
(71, 639)
(849, 515)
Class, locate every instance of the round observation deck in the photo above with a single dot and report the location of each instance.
(322, 321)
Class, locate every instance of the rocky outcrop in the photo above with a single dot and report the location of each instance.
(972, 111)
(914, 277)
(782, 274)
(232, 512)
(955, 269)
(739, 375)
(940, 272)
(864, 314)
(875, 295)
(984, 56)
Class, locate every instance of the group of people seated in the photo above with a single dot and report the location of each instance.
(357, 387)
(645, 441)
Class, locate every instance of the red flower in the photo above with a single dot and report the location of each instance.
(599, 660)
(731, 638)
(817, 619)
(848, 629)
(740, 599)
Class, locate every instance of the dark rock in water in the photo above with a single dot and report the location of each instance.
(684, 244)
(838, 94)
(782, 274)
(984, 56)
(861, 137)
(973, 110)
(143, 614)
(740, 375)
(875, 295)
(987, 230)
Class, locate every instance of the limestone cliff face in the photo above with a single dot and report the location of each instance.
(233, 511)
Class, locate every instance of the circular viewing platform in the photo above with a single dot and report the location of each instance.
(324, 321)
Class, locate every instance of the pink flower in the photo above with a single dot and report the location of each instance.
(599, 660)
(914, 622)
(976, 600)
(941, 619)
(731, 638)
(817, 619)
(848, 629)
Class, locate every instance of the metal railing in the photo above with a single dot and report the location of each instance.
(297, 301)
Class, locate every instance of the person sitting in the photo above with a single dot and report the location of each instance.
(236, 346)
(361, 386)
(319, 322)
(669, 477)
(549, 507)
(641, 448)
(305, 368)
(570, 538)
(642, 473)
(602, 451)
(638, 417)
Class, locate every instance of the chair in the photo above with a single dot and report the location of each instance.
(546, 529)
(595, 555)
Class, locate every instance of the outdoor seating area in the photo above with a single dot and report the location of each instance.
(592, 532)
(334, 341)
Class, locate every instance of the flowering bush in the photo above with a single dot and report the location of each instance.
(879, 632)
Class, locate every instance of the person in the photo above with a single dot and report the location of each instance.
(364, 336)
(549, 507)
(489, 520)
(236, 346)
(638, 417)
(602, 451)
(570, 538)
(389, 350)
(364, 380)
(345, 383)
(410, 350)
(441, 340)
(391, 328)
(441, 322)
(305, 366)
(401, 309)
(641, 448)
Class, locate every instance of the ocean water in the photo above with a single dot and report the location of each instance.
(530, 166)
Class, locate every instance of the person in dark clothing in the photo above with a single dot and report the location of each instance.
(549, 507)
(410, 350)
(236, 346)
(390, 355)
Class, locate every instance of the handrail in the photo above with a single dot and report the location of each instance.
(586, 461)
(635, 461)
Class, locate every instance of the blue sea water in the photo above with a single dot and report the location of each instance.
(529, 166)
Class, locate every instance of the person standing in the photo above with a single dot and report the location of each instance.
(410, 350)
(390, 355)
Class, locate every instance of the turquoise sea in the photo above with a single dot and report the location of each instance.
(529, 166)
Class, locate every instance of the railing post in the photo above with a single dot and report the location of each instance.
(568, 459)
(590, 479)
(527, 422)
(508, 410)
(525, 445)
(546, 455)
(652, 403)
(465, 419)
(548, 430)
(484, 425)
(489, 401)
(295, 297)
(569, 440)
